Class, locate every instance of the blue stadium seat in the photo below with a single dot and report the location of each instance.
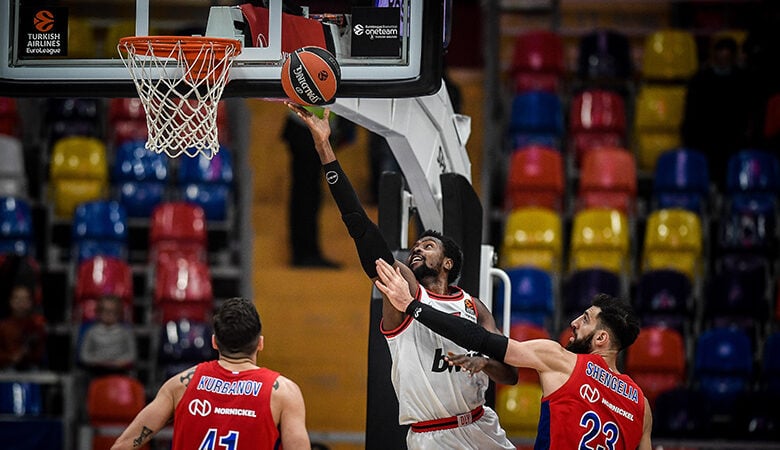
(208, 183)
(749, 225)
(184, 343)
(531, 296)
(99, 228)
(753, 171)
(16, 227)
(536, 118)
(723, 367)
(681, 180)
(140, 176)
(604, 55)
(680, 413)
(582, 285)
(73, 117)
(737, 293)
(663, 298)
(20, 398)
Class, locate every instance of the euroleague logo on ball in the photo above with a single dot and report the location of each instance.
(322, 75)
(43, 21)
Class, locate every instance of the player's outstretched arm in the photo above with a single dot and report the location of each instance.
(292, 418)
(646, 443)
(152, 418)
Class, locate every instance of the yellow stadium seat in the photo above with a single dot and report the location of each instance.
(657, 119)
(673, 240)
(600, 240)
(532, 237)
(669, 55)
(518, 408)
(81, 38)
(78, 173)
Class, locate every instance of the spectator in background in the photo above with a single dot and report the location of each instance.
(717, 109)
(23, 333)
(108, 345)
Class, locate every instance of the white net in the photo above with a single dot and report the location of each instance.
(180, 82)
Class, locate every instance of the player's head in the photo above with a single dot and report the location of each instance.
(237, 328)
(609, 323)
(434, 253)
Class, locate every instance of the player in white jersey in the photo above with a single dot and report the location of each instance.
(445, 407)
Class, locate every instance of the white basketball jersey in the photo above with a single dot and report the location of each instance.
(427, 387)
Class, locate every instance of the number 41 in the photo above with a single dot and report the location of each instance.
(229, 441)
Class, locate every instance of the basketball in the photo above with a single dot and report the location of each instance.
(311, 76)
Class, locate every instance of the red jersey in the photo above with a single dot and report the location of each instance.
(221, 409)
(595, 408)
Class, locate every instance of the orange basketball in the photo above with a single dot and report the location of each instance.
(311, 76)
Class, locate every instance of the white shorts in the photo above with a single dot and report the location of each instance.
(484, 434)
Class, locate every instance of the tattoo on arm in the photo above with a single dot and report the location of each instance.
(145, 432)
(187, 377)
(276, 385)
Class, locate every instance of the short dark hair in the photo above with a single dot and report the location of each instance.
(619, 318)
(237, 327)
(451, 250)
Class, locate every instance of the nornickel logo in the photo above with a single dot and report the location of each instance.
(199, 407)
(589, 393)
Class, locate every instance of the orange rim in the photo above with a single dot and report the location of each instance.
(191, 46)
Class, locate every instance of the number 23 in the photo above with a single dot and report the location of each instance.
(592, 423)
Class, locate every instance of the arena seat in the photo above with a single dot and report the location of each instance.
(13, 176)
(127, 120)
(753, 171)
(658, 116)
(723, 367)
(608, 180)
(582, 285)
(67, 117)
(749, 226)
(21, 398)
(604, 55)
(9, 117)
(99, 228)
(600, 239)
(525, 331)
(536, 178)
(178, 228)
(772, 117)
(78, 173)
(656, 361)
(100, 276)
(113, 401)
(663, 298)
(536, 118)
(184, 343)
(770, 364)
(597, 118)
(183, 290)
(669, 55)
(737, 294)
(140, 176)
(16, 227)
(532, 297)
(673, 240)
(519, 407)
(532, 237)
(208, 183)
(537, 61)
(680, 413)
(681, 180)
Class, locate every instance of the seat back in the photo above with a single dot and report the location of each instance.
(140, 176)
(597, 118)
(19, 398)
(772, 117)
(582, 285)
(681, 180)
(185, 342)
(536, 118)
(608, 179)
(663, 298)
(738, 290)
(67, 117)
(78, 173)
(658, 116)
(176, 228)
(723, 364)
(673, 240)
(16, 226)
(656, 361)
(9, 117)
(535, 178)
(99, 228)
(669, 55)
(600, 240)
(680, 413)
(183, 290)
(13, 177)
(114, 400)
(749, 225)
(532, 296)
(753, 171)
(532, 237)
(604, 55)
(519, 408)
(98, 277)
(127, 121)
(208, 182)
(538, 61)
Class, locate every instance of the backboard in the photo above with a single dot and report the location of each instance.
(386, 48)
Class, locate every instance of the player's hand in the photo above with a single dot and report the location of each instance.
(393, 285)
(472, 364)
(319, 127)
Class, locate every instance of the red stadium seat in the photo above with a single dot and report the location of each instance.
(183, 290)
(537, 63)
(178, 228)
(100, 276)
(524, 331)
(127, 120)
(597, 118)
(608, 180)
(9, 117)
(535, 178)
(113, 401)
(656, 361)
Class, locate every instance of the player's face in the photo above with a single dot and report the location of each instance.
(583, 329)
(426, 257)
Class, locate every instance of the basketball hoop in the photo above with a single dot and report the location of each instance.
(180, 80)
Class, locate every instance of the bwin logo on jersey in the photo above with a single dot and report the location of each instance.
(441, 365)
(199, 407)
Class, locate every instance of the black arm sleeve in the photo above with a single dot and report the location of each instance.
(460, 331)
(368, 239)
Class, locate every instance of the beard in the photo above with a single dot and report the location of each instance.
(581, 346)
(423, 271)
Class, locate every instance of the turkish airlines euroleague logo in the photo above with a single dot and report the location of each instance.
(44, 21)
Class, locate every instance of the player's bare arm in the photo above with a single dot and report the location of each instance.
(289, 411)
(156, 415)
(647, 428)
(320, 131)
(498, 371)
